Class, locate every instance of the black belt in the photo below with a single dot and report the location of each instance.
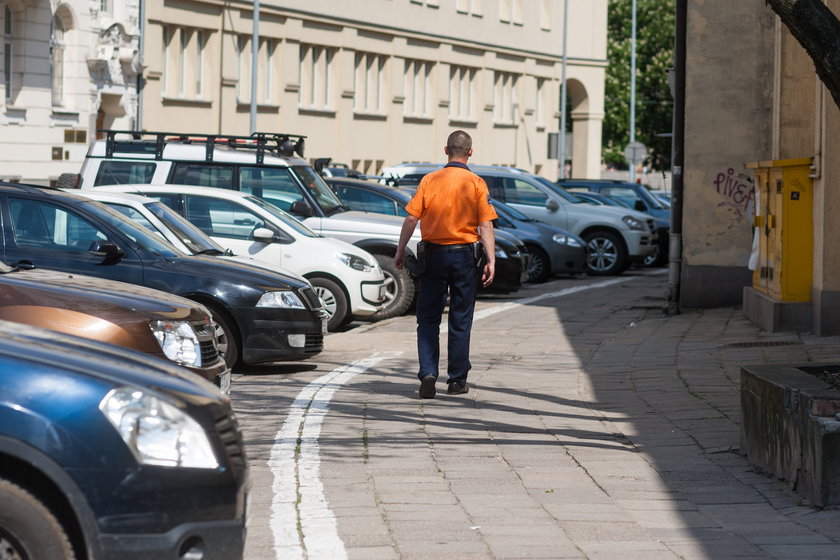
(434, 247)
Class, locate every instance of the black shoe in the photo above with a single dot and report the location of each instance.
(427, 387)
(458, 388)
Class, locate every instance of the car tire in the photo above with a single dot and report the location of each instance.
(606, 254)
(656, 258)
(539, 265)
(334, 300)
(399, 289)
(226, 336)
(27, 527)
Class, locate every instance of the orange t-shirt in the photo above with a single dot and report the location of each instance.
(450, 203)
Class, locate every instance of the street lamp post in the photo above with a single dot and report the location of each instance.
(561, 138)
(255, 51)
(633, 90)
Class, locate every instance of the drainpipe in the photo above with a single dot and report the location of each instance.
(677, 161)
(138, 118)
(255, 51)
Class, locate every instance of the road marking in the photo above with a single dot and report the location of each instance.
(303, 525)
(484, 313)
(302, 522)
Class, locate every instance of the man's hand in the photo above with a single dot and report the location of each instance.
(488, 274)
(399, 258)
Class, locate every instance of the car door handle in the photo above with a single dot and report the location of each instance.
(24, 265)
(244, 222)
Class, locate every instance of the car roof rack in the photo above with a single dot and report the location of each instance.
(281, 144)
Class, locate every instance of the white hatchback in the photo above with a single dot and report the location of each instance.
(348, 279)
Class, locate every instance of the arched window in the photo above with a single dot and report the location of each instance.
(7, 50)
(57, 47)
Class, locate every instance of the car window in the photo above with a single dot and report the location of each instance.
(205, 175)
(518, 191)
(274, 184)
(625, 195)
(283, 217)
(195, 239)
(366, 201)
(124, 172)
(318, 189)
(496, 187)
(222, 218)
(39, 224)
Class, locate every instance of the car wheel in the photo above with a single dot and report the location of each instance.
(539, 265)
(334, 300)
(399, 290)
(652, 259)
(28, 530)
(606, 255)
(226, 337)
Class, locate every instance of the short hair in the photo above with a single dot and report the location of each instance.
(459, 143)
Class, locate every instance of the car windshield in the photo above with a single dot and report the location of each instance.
(652, 200)
(195, 239)
(141, 236)
(318, 189)
(557, 189)
(284, 217)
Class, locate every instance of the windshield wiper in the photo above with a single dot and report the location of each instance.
(213, 252)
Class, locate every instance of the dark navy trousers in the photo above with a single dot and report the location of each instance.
(452, 271)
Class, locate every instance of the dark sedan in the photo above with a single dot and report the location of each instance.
(512, 256)
(106, 453)
(262, 316)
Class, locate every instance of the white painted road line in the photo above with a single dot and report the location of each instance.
(302, 523)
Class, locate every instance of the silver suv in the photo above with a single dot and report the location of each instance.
(615, 237)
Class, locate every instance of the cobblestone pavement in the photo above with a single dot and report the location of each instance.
(595, 427)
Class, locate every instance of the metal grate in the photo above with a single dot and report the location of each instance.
(228, 430)
(314, 343)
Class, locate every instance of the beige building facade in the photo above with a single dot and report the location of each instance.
(755, 99)
(378, 82)
(67, 67)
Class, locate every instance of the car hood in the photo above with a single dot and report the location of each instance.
(250, 261)
(113, 365)
(236, 272)
(76, 290)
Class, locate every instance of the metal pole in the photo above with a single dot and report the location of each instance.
(138, 118)
(633, 91)
(561, 139)
(255, 51)
(677, 160)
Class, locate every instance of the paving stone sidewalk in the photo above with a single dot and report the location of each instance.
(595, 427)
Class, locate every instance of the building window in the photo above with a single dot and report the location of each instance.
(504, 97)
(7, 51)
(184, 62)
(417, 88)
(200, 43)
(57, 48)
(540, 102)
(462, 94)
(545, 16)
(243, 68)
(472, 7)
(316, 82)
(267, 48)
(105, 6)
(510, 11)
(369, 82)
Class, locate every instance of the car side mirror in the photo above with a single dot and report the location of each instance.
(108, 250)
(301, 208)
(552, 205)
(263, 235)
(640, 206)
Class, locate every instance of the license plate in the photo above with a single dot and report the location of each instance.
(224, 382)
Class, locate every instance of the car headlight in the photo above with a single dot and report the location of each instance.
(634, 223)
(157, 432)
(284, 299)
(500, 253)
(564, 239)
(355, 262)
(179, 341)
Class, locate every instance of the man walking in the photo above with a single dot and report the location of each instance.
(455, 214)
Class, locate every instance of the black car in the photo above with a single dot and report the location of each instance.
(107, 453)
(512, 257)
(262, 316)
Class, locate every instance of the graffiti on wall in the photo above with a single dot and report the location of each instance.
(737, 191)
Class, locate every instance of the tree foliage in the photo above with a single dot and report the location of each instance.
(654, 56)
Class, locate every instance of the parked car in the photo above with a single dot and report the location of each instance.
(512, 262)
(260, 316)
(150, 321)
(638, 197)
(615, 237)
(661, 225)
(550, 250)
(109, 453)
(348, 280)
(663, 196)
(266, 165)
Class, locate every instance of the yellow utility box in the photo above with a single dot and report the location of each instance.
(785, 222)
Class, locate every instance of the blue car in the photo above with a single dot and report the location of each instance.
(110, 454)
